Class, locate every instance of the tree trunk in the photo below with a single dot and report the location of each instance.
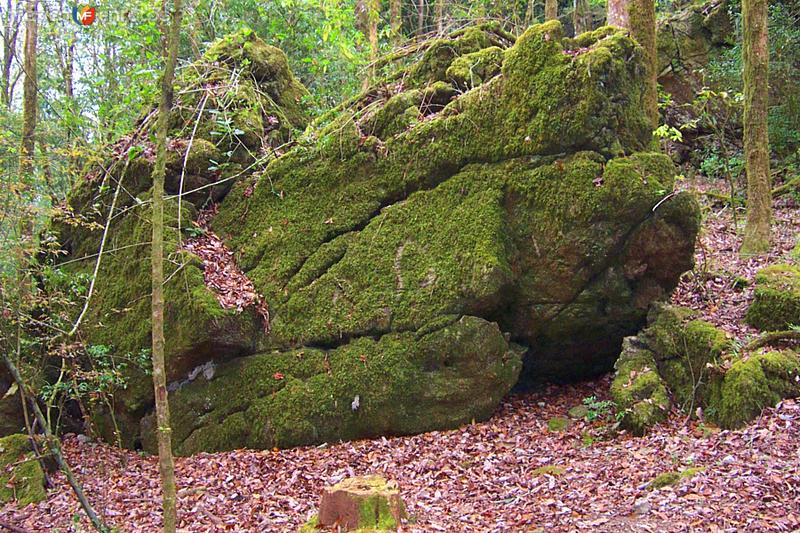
(10, 33)
(439, 15)
(420, 17)
(30, 99)
(755, 54)
(529, 12)
(54, 446)
(373, 14)
(580, 17)
(166, 463)
(642, 24)
(550, 9)
(617, 13)
(396, 19)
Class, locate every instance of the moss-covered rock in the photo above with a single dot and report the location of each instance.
(407, 244)
(776, 299)
(700, 367)
(21, 475)
(401, 383)
(637, 389)
(751, 384)
(685, 350)
(686, 40)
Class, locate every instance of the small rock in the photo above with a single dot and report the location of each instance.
(728, 460)
(84, 439)
(578, 412)
(641, 507)
(541, 404)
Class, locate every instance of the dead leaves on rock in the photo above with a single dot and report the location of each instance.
(234, 290)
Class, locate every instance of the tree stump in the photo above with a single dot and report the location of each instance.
(361, 502)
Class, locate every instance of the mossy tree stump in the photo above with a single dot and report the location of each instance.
(361, 503)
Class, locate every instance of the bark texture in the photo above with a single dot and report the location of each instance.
(755, 53)
(617, 13)
(550, 9)
(166, 464)
(642, 24)
(29, 109)
(396, 19)
(581, 17)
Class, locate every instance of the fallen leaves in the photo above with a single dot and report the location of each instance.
(495, 476)
(222, 275)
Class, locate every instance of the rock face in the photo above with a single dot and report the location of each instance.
(686, 41)
(416, 247)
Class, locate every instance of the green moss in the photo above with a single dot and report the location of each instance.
(198, 329)
(684, 349)
(672, 478)
(21, 475)
(404, 385)
(638, 390)
(558, 424)
(776, 299)
(578, 412)
(470, 70)
(549, 470)
(752, 384)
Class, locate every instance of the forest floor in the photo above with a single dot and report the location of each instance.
(508, 474)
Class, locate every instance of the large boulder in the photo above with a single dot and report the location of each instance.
(415, 248)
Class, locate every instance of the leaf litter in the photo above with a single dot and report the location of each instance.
(509, 473)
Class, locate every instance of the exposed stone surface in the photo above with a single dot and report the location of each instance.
(11, 418)
(412, 246)
(686, 41)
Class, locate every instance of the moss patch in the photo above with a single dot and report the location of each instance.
(549, 470)
(558, 424)
(399, 384)
(776, 299)
(637, 389)
(752, 384)
(21, 475)
(671, 478)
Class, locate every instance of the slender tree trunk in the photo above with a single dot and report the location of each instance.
(439, 15)
(755, 53)
(373, 15)
(580, 16)
(550, 9)
(10, 33)
(420, 17)
(642, 25)
(166, 463)
(54, 446)
(396, 20)
(30, 99)
(617, 13)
